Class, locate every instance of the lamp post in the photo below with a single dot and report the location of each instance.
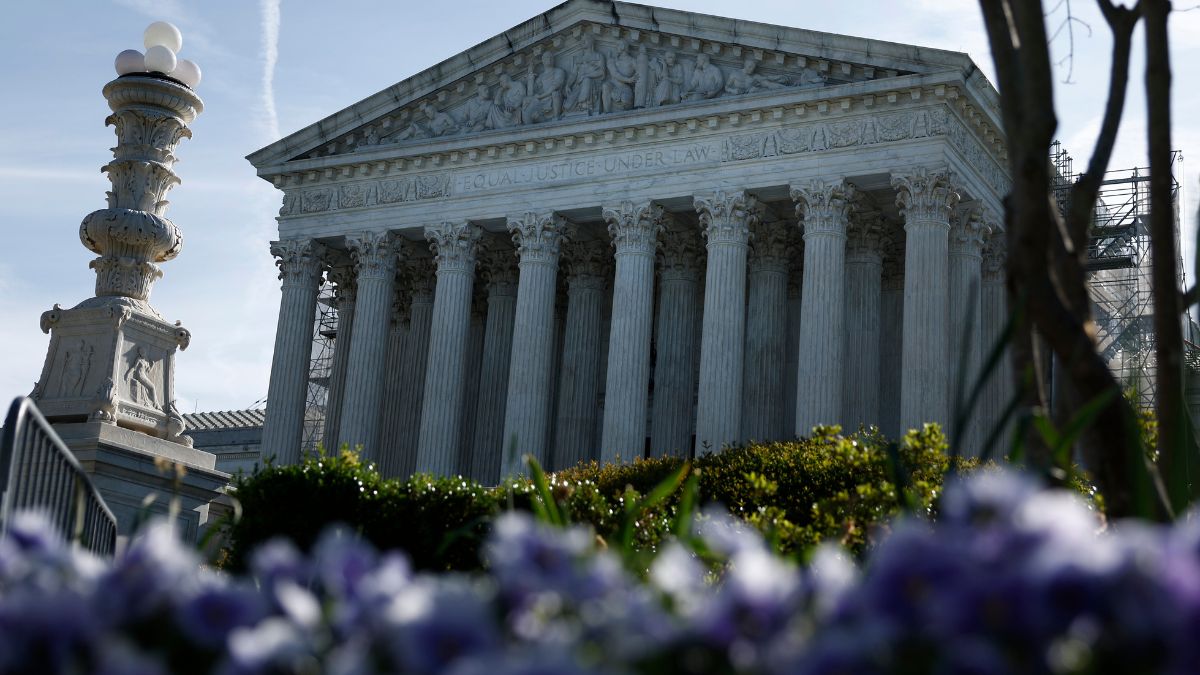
(111, 358)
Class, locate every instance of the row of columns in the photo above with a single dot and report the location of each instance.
(837, 316)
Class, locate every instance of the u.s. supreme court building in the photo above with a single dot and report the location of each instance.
(615, 230)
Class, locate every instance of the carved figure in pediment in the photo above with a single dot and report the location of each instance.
(482, 112)
(809, 77)
(706, 81)
(546, 92)
(140, 378)
(587, 81)
(643, 87)
(747, 80)
(669, 79)
(510, 100)
(436, 123)
(617, 91)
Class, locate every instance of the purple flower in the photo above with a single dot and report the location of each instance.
(434, 622)
(209, 616)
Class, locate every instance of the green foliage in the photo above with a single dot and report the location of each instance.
(798, 493)
(438, 521)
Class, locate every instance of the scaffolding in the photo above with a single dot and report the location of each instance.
(1119, 269)
(320, 364)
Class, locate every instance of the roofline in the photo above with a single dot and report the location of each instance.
(629, 15)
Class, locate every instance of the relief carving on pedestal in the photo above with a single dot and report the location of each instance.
(77, 364)
(140, 380)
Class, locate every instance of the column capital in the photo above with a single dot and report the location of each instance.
(995, 256)
(769, 247)
(454, 246)
(538, 236)
(634, 228)
(925, 196)
(586, 260)
(680, 253)
(422, 278)
(498, 265)
(893, 262)
(374, 253)
(726, 217)
(300, 261)
(342, 275)
(865, 236)
(968, 230)
(824, 207)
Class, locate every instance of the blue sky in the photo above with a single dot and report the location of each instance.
(326, 57)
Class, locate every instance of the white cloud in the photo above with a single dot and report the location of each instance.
(270, 47)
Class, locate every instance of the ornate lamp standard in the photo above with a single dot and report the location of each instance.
(108, 382)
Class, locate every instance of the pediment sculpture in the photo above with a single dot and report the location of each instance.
(591, 78)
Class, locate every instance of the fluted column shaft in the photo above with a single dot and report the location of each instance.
(579, 386)
(497, 353)
(527, 412)
(471, 392)
(725, 220)
(999, 389)
(416, 359)
(860, 399)
(966, 305)
(300, 269)
(634, 229)
(824, 208)
(375, 256)
(395, 380)
(766, 335)
(445, 376)
(344, 294)
(891, 342)
(792, 351)
(673, 419)
(926, 199)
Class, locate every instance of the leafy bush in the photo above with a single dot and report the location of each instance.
(799, 493)
(1009, 579)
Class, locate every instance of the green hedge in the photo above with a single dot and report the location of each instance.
(799, 492)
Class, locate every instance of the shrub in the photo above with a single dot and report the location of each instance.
(798, 493)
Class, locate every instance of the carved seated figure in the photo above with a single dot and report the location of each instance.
(481, 111)
(510, 100)
(437, 123)
(587, 83)
(545, 101)
(669, 77)
(707, 81)
(746, 80)
(617, 92)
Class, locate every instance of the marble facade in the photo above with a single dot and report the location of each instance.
(667, 232)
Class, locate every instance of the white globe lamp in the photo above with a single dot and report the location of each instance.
(130, 61)
(162, 34)
(159, 59)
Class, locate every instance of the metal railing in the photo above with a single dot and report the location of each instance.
(38, 472)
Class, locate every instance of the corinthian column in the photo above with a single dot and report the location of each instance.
(926, 198)
(474, 364)
(346, 287)
(300, 263)
(673, 419)
(395, 379)
(416, 355)
(766, 334)
(586, 263)
(500, 270)
(375, 255)
(824, 209)
(454, 247)
(999, 388)
(864, 270)
(634, 230)
(792, 348)
(725, 220)
(966, 328)
(527, 412)
(891, 331)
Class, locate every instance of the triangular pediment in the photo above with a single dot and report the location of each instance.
(589, 58)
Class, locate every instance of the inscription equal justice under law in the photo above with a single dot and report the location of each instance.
(588, 167)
